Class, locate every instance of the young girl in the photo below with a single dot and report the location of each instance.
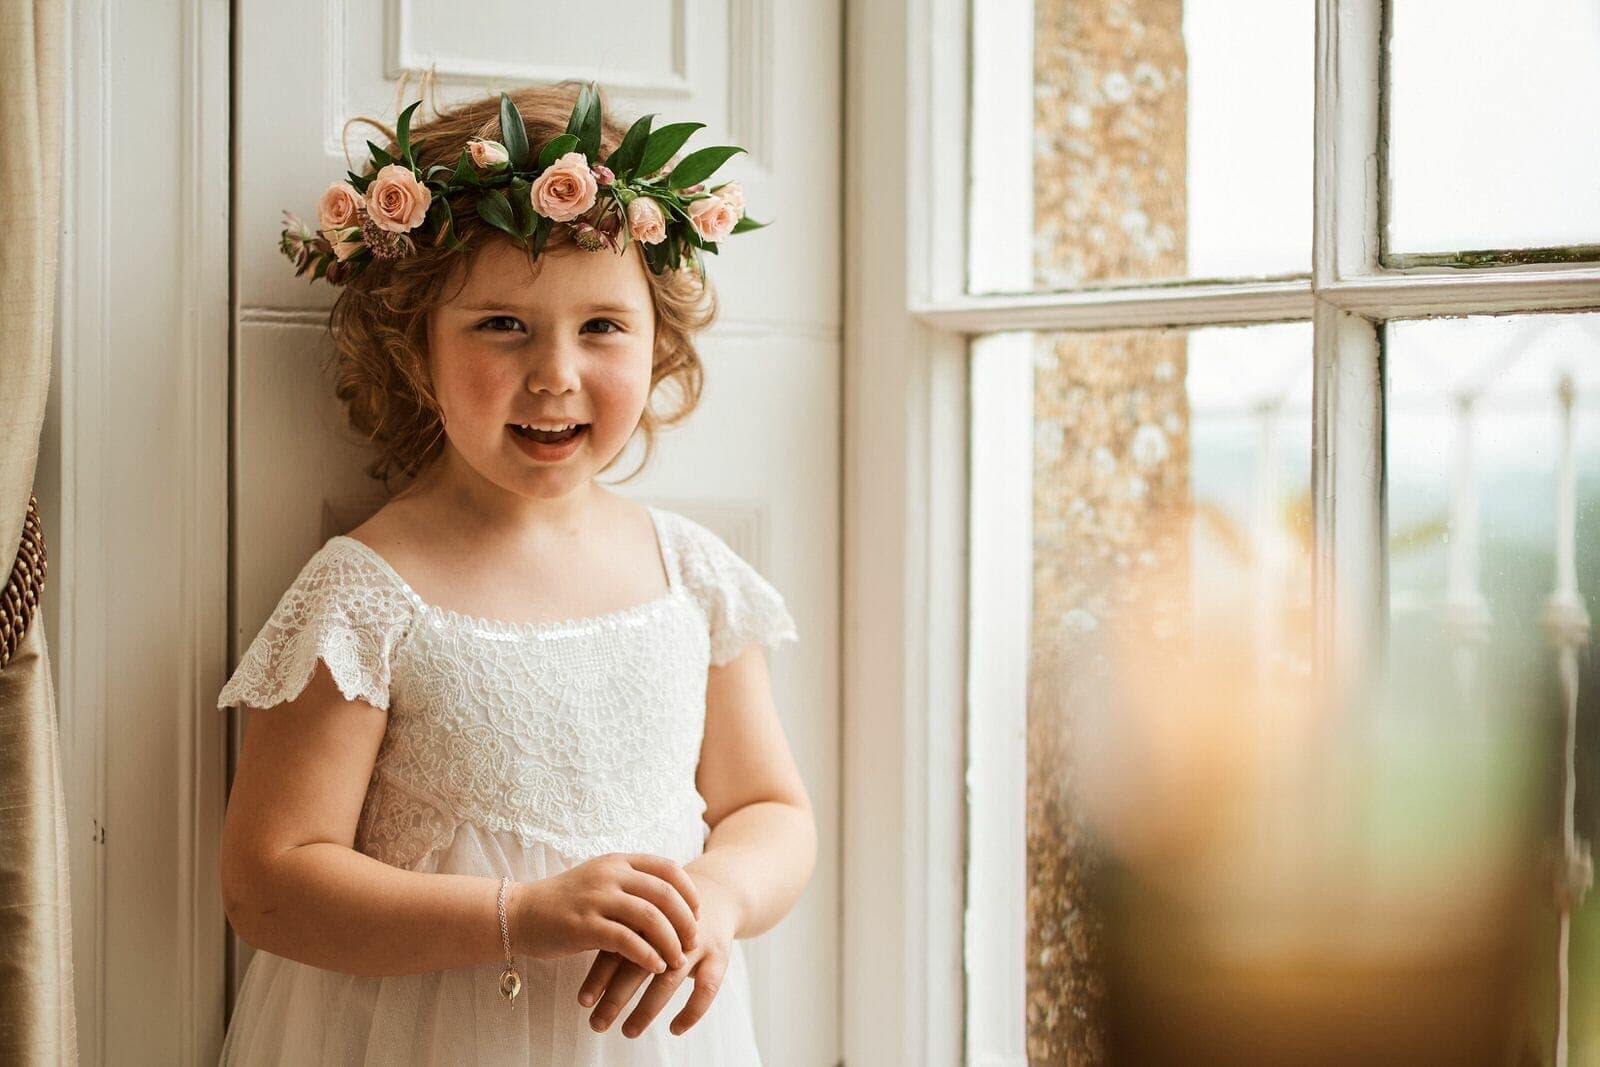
(522, 787)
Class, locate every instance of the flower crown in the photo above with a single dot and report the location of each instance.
(635, 195)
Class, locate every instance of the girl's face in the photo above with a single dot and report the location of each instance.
(518, 358)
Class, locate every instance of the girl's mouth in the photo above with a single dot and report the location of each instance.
(549, 437)
(549, 446)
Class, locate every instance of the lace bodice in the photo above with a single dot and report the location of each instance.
(581, 735)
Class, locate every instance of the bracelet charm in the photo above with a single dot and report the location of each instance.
(510, 980)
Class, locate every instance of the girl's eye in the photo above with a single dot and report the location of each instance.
(603, 322)
(498, 318)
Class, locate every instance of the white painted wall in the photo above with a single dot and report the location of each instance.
(134, 482)
(133, 485)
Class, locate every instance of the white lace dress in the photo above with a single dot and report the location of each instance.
(518, 749)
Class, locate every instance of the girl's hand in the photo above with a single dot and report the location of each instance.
(643, 908)
(707, 964)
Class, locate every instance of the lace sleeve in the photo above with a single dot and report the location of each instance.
(740, 605)
(339, 610)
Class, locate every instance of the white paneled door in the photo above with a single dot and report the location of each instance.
(759, 461)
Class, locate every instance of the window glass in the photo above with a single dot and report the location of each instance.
(1492, 140)
(1494, 561)
(1168, 140)
(1171, 556)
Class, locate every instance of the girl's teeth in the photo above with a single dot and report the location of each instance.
(549, 436)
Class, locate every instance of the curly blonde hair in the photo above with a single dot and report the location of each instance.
(379, 323)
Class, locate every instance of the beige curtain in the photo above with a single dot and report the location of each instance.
(37, 1024)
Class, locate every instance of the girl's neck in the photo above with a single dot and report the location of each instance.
(451, 493)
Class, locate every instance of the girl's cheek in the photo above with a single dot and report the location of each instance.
(483, 384)
(626, 380)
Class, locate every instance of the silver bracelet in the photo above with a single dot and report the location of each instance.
(510, 980)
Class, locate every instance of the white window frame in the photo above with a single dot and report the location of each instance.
(914, 593)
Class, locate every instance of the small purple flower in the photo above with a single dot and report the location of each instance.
(602, 175)
(589, 239)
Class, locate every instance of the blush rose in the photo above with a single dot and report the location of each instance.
(646, 223)
(566, 189)
(340, 206)
(713, 218)
(396, 201)
(487, 155)
(733, 193)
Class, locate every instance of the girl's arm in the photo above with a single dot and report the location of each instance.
(763, 842)
(294, 885)
(759, 856)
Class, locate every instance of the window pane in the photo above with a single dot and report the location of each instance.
(1221, 867)
(1168, 140)
(1493, 142)
(1494, 502)
(1171, 516)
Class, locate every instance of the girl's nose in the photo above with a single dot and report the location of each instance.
(554, 370)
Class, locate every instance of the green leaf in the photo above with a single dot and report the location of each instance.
(557, 148)
(466, 173)
(402, 134)
(494, 209)
(664, 143)
(380, 158)
(672, 206)
(513, 134)
(580, 107)
(631, 150)
(358, 181)
(589, 131)
(746, 224)
(522, 205)
(541, 233)
(696, 167)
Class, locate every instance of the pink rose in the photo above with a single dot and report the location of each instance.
(603, 176)
(646, 222)
(345, 241)
(713, 218)
(340, 206)
(566, 189)
(733, 193)
(396, 201)
(487, 155)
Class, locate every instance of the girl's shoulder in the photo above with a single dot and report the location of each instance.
(346, 574)
(347, 608)
(740, 604)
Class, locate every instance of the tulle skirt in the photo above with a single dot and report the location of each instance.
(295, 1014)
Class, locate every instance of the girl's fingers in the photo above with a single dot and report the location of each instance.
(707, 981)
(625, 942)
(662, 986)
(641, 915)
(668, 871)
(605, 965)
(665, 896)
(623, 985)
